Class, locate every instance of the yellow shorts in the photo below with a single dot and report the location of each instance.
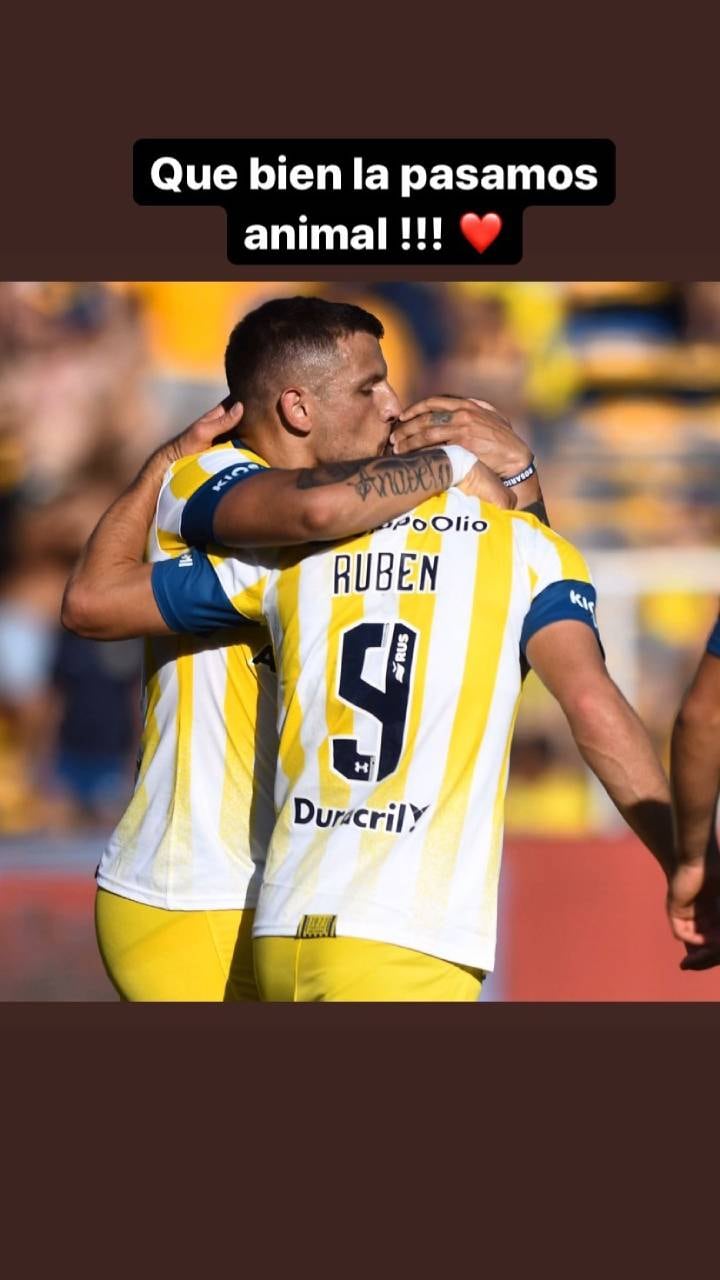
(307, 969)
(151, 953)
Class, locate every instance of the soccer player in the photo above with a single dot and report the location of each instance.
(179, 879)
(400, 658)
(694, 898)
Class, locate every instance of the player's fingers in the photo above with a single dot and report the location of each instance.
(489, 431)
(463, 413)
(433, 404)
(218, 421)
(231, 410)
(480, 437)
(234, 413)
(402, 432)
(451, 404)
(687, 931)
(422, 436)
(491, 408)
(217, 411)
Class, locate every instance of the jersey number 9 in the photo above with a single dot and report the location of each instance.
(384, 651)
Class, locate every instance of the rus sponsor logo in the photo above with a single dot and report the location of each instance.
(400, 657)
(396, 819)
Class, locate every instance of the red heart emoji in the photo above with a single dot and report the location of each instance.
(481, 231)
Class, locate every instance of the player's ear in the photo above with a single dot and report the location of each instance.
(295, 410)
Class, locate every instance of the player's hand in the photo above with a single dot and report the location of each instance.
(201, 433)
(694, 909)
(474, 424)
(481, 482)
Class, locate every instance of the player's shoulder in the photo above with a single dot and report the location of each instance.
(182, 480)
(526, 520)
(541, 546)
(532, 531)
(522, 525)
(188, 474)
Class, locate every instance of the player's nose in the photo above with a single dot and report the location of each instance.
(391, 407)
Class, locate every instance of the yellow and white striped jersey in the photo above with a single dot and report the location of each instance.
(195, 833)
(399, 669)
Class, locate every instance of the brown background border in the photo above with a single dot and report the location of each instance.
(506, 1137)
(68, 124)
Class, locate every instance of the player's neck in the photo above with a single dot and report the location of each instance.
(275, 446)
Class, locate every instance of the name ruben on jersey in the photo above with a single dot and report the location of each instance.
(399, 571)
(384, 571)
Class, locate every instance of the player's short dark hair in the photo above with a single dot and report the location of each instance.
(284, 330)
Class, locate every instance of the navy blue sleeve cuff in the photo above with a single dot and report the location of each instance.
(189, 596)
(568, 599)
(713, 644)
(196, 522)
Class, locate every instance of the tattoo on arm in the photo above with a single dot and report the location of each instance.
(422, 472)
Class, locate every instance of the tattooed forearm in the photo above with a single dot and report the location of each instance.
(411, 474)
(414, 473)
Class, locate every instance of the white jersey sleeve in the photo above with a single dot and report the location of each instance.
(185, 497)
(197, 593)
(560, 582)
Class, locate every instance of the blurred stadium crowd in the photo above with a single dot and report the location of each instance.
(615, 385)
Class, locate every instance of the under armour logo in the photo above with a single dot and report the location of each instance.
(362, 768)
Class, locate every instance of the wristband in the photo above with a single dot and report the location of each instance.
(461, 461)
(521, 475)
